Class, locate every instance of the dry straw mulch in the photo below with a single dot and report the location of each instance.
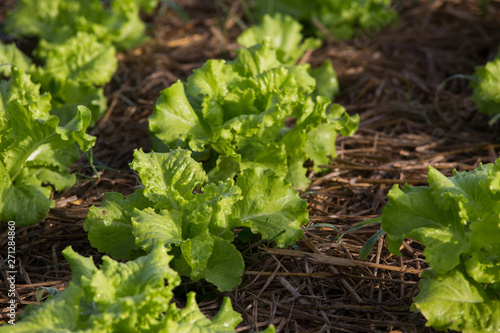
(390, 77)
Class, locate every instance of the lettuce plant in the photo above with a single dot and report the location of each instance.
(342, 19)
(195, 217)
(250, 112)
(457, 219)
(123, 297)
(34, 150)
(73, 73)
(486, 86)
(77, 47)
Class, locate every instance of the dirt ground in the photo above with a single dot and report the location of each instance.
(389, 77)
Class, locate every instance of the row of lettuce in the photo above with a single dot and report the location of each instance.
(48, 104)
(43, 128)
(232, 115)
(229, 149)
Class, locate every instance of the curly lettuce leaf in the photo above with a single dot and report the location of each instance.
(412, 212)
(443, 216)
(313, 137)
(227, 167)
(285, 36)
(452, 301)
(123, 24)
(195, 219)
(109, 226)
(486, 89)
(217, 270)
(149, 226)
(21, 88)
(33, 18)
(122, 297)
(271, 156)
(68, 95)
(174, 122)
(211, 258)
(26, 201)
(327, 83)
(270, 206)
(36, 152)
(212, 209)
(73, 72)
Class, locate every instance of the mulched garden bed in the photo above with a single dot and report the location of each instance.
(392, 78)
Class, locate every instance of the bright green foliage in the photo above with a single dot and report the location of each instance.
(73, 73)
(454, 301)
(80, 58)
(123, 297)
(486, 86)
(326, 80)
(194, 218)
(285, 36)
(20, 88)
(55, 21)
(10, 54)
(34, 150)
(76, 48)
(457, 219)
(342, 19)
(250, 112)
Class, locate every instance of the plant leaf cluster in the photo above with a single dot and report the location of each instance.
(457, 219)
(251, 112)
(123, 297)
(486, 88)
(77, 45)
(195, 217)
(35, 152)
(285, 36)
(117, 23)
(340, 19)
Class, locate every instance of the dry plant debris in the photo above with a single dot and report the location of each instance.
(390, 77)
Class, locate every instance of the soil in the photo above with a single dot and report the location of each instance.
(394, 78)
